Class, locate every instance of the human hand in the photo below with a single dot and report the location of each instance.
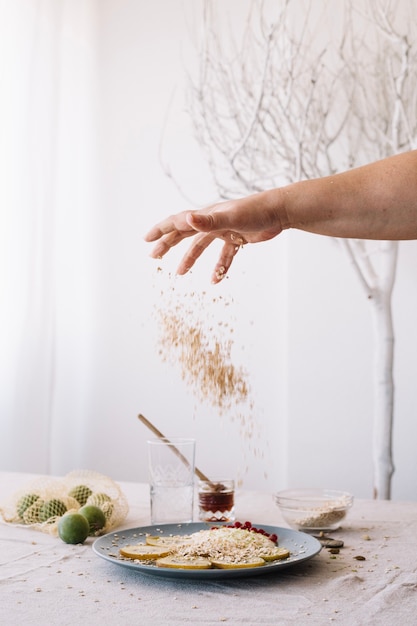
(236, 222)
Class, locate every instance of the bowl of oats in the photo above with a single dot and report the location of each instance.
(313, 510)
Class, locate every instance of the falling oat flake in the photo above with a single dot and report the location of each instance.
(196, 335)
(205, 360)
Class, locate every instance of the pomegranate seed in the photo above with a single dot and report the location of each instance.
(248, 526)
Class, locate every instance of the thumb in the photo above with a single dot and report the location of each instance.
(202, 222)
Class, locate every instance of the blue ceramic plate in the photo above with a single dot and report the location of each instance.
(301, 546)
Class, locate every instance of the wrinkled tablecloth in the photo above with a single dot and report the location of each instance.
(45, 581)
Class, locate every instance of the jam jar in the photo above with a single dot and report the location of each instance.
(216, 500)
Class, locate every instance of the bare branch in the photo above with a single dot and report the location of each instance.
(282, 103)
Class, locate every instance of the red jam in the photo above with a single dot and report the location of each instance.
(216, 501)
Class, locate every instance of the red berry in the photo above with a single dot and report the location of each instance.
(248, 526)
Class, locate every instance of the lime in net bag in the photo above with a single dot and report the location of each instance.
(42, 502)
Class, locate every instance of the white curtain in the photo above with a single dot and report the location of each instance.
(47, 212)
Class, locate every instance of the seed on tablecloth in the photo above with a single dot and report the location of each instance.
(359, 557)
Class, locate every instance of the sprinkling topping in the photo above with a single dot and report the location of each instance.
(225, 546)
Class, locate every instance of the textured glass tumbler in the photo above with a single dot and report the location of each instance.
(171, 480)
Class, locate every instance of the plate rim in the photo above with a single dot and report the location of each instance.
(117, 538)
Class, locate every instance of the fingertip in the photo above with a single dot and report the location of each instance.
(151, 236)
(183, 269)
(218, 274)
(190, 219)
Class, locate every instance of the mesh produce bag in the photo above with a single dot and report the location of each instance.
(45, 500)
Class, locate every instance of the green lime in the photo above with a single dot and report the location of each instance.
(81, 493)
(104, 502)
(32, 513)
(73, 528)
(94, 516)
(98, 499)
(25, 502)
(52, 508)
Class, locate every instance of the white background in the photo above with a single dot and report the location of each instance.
(301, 323)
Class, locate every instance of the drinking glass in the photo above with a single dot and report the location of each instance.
(171, 479)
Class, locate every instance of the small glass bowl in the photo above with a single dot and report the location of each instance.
(313, 510)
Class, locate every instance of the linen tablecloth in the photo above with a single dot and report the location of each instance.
(45, 581)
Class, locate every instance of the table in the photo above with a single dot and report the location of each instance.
(45, 581)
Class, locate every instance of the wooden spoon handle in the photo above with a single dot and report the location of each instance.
(158, 433)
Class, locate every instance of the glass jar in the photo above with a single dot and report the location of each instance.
(216, 500)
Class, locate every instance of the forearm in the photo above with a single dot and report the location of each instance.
(376, 201)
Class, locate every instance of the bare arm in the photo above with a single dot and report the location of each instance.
(376, 201)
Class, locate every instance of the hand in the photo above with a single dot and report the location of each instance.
(236, 222)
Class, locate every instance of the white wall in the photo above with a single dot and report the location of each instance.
(301, 323)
